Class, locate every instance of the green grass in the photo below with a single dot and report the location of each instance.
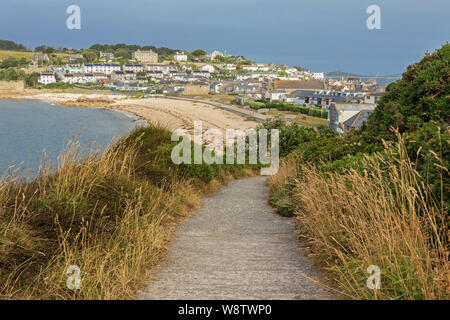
(110, 214)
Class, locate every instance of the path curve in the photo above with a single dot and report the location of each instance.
(236, 247)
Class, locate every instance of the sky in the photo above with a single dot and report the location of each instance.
(321, 35)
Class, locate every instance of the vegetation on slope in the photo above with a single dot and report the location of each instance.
(379, 196)
(110, 214)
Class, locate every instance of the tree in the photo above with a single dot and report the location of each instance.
(90, 55)
(422, 95)
(198, 53)
(11, 45)
(122, 53)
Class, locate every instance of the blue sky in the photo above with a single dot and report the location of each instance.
(322, 35)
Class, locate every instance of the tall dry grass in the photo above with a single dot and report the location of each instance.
(111, 214)
(380, 213)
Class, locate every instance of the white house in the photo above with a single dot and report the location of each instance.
(243, 76)
(106, 68)
(180, 56)
(319, 75)
(47, 77)
(215, 55)
(276, 95)
(250, 68)
(74, 68)
(230, 66)
(209, 68)
(133, 67)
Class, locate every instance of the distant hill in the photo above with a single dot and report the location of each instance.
(333, 74)
(342, 74)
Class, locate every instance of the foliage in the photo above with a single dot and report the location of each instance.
(12, 46)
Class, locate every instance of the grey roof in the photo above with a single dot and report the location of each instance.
(358, 119)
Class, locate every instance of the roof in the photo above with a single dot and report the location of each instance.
(299, 84)
(358, 119)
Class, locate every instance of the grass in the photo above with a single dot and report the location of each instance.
(380, 213)
(5, 54)
(110, 214)
(311, 121)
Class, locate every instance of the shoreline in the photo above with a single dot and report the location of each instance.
(171, 113)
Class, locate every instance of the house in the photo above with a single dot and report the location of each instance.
(215, 54)
(201, 74)
(230, 66)
(319, 76)
(74, 68)
(47, 78)
(196, 89)
(145, 56)
(373, 97)
(252, 68)
(276, 95)
(40, 57)
(180, 56)
(118, 76)
(243, 76)
(133, 67)
(155, 75)
(207, 67)
(338, 114)
(357, 120)
(107, 68)
(73, 78)
(107, 55)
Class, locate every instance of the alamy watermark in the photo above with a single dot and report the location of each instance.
(237, 142)
(374, 281)
(73, 22)
(374, 20)
(74, 280)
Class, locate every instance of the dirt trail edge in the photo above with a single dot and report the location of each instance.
(236, 247)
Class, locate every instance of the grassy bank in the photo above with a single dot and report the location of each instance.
(110, 214)
(379, 213)
(380, 195)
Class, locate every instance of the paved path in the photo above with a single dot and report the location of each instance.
(236, 247)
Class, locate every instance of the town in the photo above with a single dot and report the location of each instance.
(341, 103)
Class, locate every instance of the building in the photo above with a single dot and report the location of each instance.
(107, 68)
(145, 56)
(40, 57)
(180, 56)
(83, 78)
(215, 54)
(338, 114)
(133, 67)
(357, 120)
(209, 68)
(230, 66)
(373, 97)
(47, 78)
(74, 68)
(319, 76)
(276, 95)
(107, 55)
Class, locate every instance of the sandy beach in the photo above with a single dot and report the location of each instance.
(170, 113)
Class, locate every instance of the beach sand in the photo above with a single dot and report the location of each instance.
(170, 113)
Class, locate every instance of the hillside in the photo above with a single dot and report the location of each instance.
(378, 197)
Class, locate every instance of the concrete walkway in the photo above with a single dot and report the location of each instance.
(236, 247)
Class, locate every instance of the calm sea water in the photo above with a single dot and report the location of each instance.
(29, 127)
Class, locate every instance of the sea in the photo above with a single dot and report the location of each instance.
(31, 130)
